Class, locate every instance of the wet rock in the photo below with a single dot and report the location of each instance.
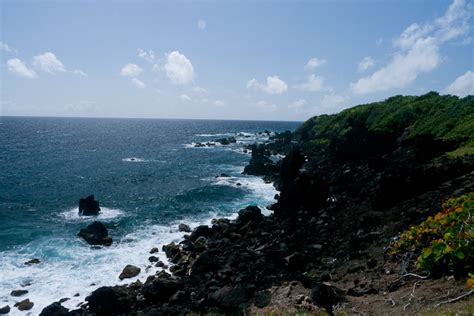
(129, 271)
(24, 305)
(18, 292)
(64, 299)
(96, 234)
(5, 310)
(202, 230)
(171, 250)
(55, 309)
(153, 259)
(160, 264)
(111, 300)
(154, 250)
(32, 261)
(88, 206)
(184, 228)
(250, 213)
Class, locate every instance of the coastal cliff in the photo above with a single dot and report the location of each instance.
(349, 184)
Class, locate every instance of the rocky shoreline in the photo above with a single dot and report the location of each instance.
(342, 201)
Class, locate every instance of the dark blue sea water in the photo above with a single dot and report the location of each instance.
(146, 174)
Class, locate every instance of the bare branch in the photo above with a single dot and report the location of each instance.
(455, 299)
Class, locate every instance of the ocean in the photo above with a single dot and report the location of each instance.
(148, 178)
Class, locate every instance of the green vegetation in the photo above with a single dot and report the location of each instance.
(376, 128)
(444, 242)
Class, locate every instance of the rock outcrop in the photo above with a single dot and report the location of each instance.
(96, 234)
(88, 206)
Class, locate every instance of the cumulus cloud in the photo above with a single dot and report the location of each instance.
(131, 70)
(462, 86)
(80, 73)
(185, 97)
(138, 83)
(19, 68)
(314, 63)
(274, 85)
(49, 63)
(314, 84)
(149, 56)
(201, 24)
(265, 106)
(179, 68)
(366, 63)
(5, 47)
(417, 50)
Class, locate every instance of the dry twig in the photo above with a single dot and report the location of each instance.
(455, 299)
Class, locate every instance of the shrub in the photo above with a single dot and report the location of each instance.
(444, 242)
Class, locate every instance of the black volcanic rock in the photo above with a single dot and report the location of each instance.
(5, 310)
(129, 271)
(259, 164)
(250, 213)
(55, 309)
(96, 234)
(111, 300)
(88, 206)
(24, 305)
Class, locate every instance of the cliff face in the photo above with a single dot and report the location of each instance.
(348, 184)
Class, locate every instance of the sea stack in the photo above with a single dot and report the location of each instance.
(89, 206)
(96, 234)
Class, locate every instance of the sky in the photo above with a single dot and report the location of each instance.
(251, 60)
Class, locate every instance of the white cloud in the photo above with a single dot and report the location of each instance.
(199, 90)
(80, 73)
(314, 84)
(418, 51)
(366, 63)
(298, 104)
(218, 103)
(185, 97)
(201, 24)
(131, 70)
(265, 106)
(149, 56)
(138, 83)
(179, 68)
(19, 68)
(462, 86)
(49, 63)
(274, 85)
(5, 47)
(314, 63)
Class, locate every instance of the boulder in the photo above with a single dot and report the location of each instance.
(153, 259)
(111, 300)
(5, 310)
(18, 292)
(184, 228)
(32, 261)
(129, 271)
(202, 230)
(96, 234)
(24, 305)
(250, 213)
(88, 206)
(327, 296)
(160, 289)
(154, 250)
(55, 309)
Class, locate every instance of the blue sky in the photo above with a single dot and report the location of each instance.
(273, 60)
